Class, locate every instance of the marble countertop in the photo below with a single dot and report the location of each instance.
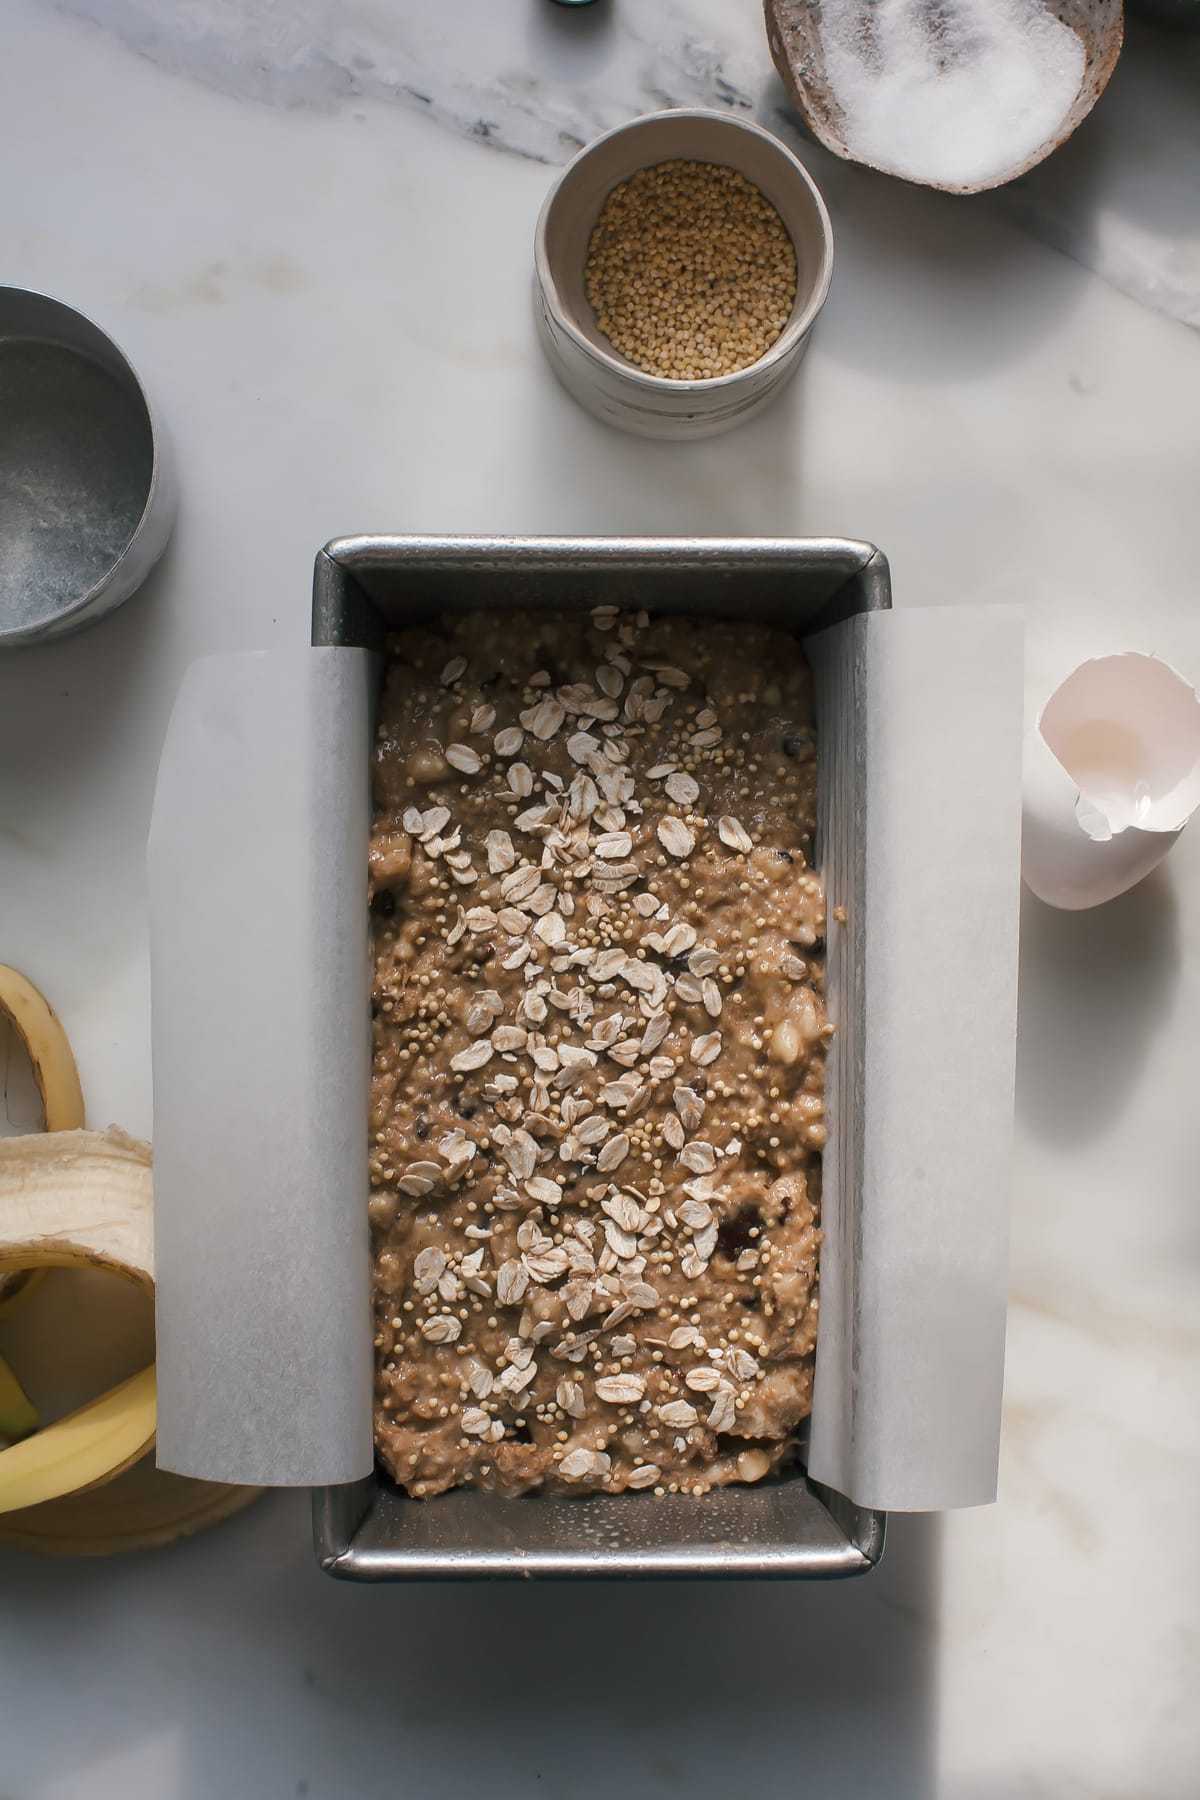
(310, 227)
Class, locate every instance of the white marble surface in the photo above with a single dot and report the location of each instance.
(328, 292)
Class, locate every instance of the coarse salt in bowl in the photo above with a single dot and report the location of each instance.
(962, 95)
(607, 383)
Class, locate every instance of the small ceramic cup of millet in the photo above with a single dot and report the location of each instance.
(680, 263)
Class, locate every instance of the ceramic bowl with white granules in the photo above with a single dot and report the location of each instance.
(961, 95)
(606, 380)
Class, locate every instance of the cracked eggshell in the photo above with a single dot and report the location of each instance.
(1111, 777)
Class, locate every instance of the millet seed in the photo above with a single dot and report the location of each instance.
(690, 271)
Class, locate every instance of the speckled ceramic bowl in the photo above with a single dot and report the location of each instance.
(598, 376)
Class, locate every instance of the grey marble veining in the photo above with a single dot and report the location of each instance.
(525, 78)
(1122, 197)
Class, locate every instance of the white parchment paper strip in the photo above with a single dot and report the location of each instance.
(920, 747)
(261, 1060)
(259, 948)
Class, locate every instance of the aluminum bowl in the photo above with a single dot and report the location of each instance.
(87, 499)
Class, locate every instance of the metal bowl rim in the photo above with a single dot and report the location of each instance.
(32, 634)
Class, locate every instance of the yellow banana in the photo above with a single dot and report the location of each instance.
(78, 1199)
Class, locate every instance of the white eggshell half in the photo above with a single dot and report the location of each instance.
(1111, 776)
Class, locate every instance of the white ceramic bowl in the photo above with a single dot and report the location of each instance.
(598, 376)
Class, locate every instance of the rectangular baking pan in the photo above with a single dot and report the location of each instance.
(365, 587)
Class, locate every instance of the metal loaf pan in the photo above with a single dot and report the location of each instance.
(369, 1531)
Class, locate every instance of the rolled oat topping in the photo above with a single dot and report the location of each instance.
(599, 1029)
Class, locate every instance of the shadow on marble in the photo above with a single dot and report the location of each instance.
(748, 482)
(278, 1682)
(927, 287)
(1095, 988)
(81, 723)
(1122, 196)
(1119, 199)
(1153, 93)
(67, 705)
(577, 42)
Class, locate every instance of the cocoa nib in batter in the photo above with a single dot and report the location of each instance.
(599, 1027)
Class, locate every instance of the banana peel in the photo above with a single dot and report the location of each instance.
(49, 1051)
(18, 1415)
(88, 1447)
(85, 1485)
(144, 1508)
(79, 1199)
(46, 1044)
